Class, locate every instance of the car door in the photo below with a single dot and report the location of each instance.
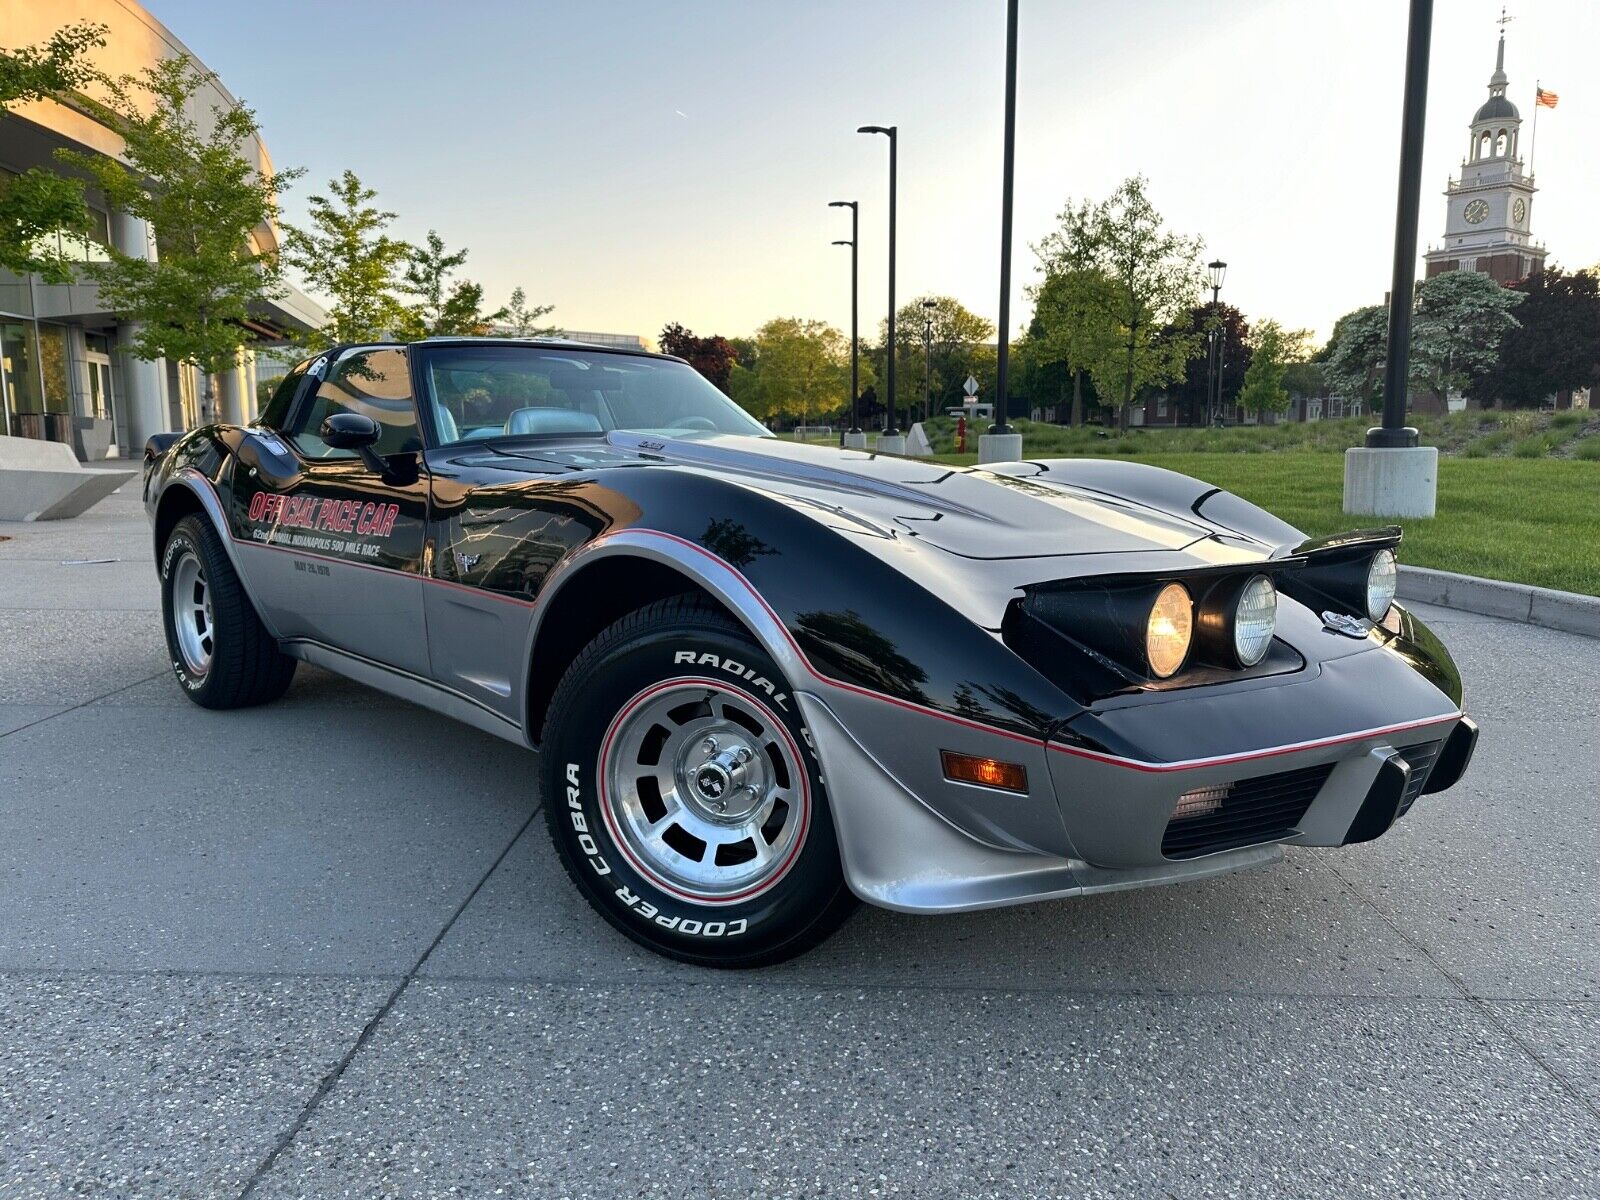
(500, 520)
(332, 546)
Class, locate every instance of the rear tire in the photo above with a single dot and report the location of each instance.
(683, 796)
(221, 653)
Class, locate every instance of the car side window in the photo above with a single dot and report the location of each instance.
(375, 383)
(277, 410)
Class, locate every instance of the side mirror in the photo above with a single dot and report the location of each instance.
(350, 431)
(358, 432)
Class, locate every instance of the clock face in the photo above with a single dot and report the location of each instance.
(1476, 211)
(1519, 210)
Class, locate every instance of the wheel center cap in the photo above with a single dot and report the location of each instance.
(712, 782)
(727, 785)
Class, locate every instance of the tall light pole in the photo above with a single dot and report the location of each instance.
(927, 357)
(1394, 431)
(854, 439)
(1000, 444)
(892, 132)
(1392, 476)
(1219, 333)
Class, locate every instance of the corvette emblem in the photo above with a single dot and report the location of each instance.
(1337, 622)
(465, 562)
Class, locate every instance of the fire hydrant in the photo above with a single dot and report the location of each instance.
(961, 435)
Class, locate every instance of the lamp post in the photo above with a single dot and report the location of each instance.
(1000, 444)
(891, 439)
(1219, 332)
(854, 439)
(1394, 432)
(1392, 476)
(927, 357)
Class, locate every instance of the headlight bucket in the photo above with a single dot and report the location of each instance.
(1238, 619)
(1352, 573)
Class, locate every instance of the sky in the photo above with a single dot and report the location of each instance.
(637, 162)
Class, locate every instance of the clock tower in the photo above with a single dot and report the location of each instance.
(1488, 210)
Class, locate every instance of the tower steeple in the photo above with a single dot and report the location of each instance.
(1487, 215)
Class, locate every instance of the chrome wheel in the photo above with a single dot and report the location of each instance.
(191, 613)
(704, 791)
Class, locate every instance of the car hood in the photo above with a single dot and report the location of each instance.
(969, 535)
(974, 513)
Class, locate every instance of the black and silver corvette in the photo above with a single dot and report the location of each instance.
(766, 678)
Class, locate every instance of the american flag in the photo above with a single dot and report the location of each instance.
(1548, 99)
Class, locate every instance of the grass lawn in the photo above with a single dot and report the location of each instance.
(1533, 520)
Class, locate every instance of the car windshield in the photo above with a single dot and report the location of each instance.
(484, 392)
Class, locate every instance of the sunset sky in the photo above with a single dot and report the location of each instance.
(639, 163)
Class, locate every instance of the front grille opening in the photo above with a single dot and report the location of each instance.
(1265, 809)
(1420, 758)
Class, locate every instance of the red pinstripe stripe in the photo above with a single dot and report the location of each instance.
(880, 697)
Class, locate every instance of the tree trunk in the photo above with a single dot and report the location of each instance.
(1127, 393)
(1077, 399)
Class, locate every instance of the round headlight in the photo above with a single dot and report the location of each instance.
(1382, 577)
(1169, 630)
(1254, 620)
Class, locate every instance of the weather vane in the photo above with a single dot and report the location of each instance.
(1504, 20)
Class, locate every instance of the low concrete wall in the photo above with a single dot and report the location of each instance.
(1567, 611)
(43, 481)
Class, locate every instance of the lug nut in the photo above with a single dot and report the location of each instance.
(744, 755)
(709, 745)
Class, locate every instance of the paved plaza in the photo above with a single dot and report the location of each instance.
(323, 948)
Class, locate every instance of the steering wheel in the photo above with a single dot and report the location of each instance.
(705, 423)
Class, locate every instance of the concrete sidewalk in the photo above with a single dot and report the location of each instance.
(323, 948)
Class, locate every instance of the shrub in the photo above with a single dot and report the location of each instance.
(1566, 420)
(1588, 448)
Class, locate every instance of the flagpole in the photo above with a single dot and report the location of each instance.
(1533, 142)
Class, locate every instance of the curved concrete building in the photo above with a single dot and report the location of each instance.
(65, 374)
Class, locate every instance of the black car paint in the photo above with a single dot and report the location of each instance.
(500, 518)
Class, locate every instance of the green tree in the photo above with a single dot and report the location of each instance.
(1356, 353)
(38, 203)
(1071, 317)
(206, 203)
(1556, 346)
(1461, 318)
(444, 307)
(522, 321)
(801, 370)
(1273, 348)
(1305, 378)
(1154, 277)
(347, 258)
(953, 333)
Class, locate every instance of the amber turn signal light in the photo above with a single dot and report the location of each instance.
(985, 772)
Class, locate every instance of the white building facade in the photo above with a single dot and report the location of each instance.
(65, 371)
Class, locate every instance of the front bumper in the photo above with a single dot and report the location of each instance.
(913, 841)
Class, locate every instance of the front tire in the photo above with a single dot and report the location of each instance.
(222, 655)
(683, 796)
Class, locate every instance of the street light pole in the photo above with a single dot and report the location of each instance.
(1394, 432)
(1008, 170)
(854, 438)
(1219, 333)
(892, 132)
(1393, 476)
